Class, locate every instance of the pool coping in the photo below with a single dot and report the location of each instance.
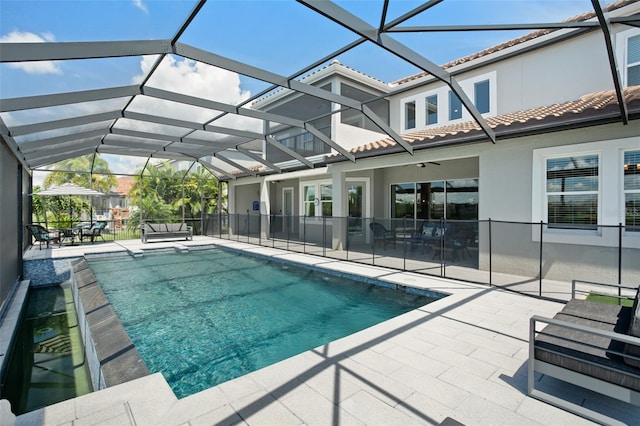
(111, 356)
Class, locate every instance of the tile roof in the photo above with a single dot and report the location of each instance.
(516, 41)
(588, 109)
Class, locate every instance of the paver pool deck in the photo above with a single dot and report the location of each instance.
(460, 359)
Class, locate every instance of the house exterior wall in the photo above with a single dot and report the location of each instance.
(553, 74)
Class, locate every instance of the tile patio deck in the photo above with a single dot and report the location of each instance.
(462, 357)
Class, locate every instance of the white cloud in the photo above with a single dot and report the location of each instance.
(195, 79)
(140, 5)
(40, 67)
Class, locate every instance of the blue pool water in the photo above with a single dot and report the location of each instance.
(207, 317)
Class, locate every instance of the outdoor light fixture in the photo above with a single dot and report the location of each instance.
(421, 165)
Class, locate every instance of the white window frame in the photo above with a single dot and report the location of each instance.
(627, 191)
(317, 184)
(442, 92)
(468, 86)
(596, 192)
(611, 207)
(622, 39)
(405, 104)
(426, 113)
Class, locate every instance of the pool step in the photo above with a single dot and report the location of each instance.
(181, 248)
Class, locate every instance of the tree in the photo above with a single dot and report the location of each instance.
(162, 187)
(78, 171)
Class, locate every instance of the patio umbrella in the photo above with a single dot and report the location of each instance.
(70, 189)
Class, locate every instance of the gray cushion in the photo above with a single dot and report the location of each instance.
(151, 227)
(585, 353)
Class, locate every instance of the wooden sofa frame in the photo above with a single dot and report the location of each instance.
(165, 231)
(622, 380)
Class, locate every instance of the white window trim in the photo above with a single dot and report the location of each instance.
(622, 39)
(611, 207)
(403, 114)
(468, 86)
(317, 200)
(623, 205)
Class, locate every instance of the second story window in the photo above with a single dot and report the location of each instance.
(482, 96)
(572, 191)
(455, 106)
(431, 104)
(633, 60)
(632, 190)
(410, 115)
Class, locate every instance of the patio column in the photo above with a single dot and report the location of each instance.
(340, 211)
(265, 209)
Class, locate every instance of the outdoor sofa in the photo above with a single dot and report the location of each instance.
(590, 344)
(164, 231)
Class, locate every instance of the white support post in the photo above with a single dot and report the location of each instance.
(340, 211)
(265, 209)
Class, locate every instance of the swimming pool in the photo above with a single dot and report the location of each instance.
(207, 317)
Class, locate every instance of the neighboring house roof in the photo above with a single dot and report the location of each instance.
(516, 41)
(590, 109)
(125, 183)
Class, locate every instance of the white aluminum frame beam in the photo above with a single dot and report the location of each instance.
(50, 159)
(274, 142)
(324, 138)
(58, 51)
(42, 101)
(213, 168)
(60, 148)
(258, 159)
(63, 123)
(234, 164)
(57, 140)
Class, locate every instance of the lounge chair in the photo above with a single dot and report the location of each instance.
(381, 235)
(94, 232)
(43, 235)
(589, 344)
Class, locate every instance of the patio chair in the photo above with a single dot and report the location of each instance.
(94, 231)
(43, 235)
(382, 235)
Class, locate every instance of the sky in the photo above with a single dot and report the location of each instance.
(281, 36)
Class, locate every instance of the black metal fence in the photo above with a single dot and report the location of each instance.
(525, 257)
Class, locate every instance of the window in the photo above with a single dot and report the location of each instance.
(317, 199)
(455, 106)
(572, 191)
(482, 95)
(431, 104)
(632, 190)
(455, 199)
(410, 115)
(306, 142)
(403, 199)
(633, 60)
(309, 199)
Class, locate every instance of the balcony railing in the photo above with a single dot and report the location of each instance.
(510, 255)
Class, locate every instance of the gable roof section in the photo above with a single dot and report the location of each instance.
(590, 109)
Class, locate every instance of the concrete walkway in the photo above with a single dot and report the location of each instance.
(460, 358)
